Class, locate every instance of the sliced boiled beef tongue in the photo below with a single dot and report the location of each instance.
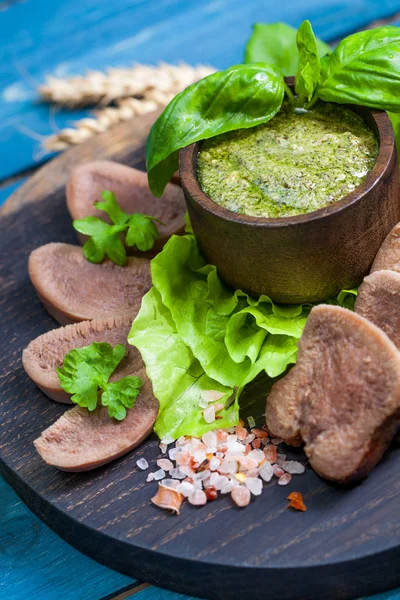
(378, 300)
(133, 194)
(81, 440)
(388, 257)
(73, 289)
(343, 396)
(41, 357)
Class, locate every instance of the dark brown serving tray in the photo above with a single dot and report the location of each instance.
(346, 545)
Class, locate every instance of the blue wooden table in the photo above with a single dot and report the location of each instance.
(67, 37)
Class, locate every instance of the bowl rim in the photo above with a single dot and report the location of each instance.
(387, 153)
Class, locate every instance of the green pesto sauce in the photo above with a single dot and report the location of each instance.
(294, 164)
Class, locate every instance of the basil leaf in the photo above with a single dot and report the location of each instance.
(364, 69)
(395, 120)
(309, 69)
(242, 96)
(275, 43)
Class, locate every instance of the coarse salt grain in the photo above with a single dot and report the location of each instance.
(209, 414)
(257, 455)
(142, 464)
(160, 474)
(197, 498)
(177, 473)
(251, 422)
(209, 439)
(278, 471)
(254, 484)
(214, 463)
(212, 395)
(266, 471)
(167, 439)
(241, 495)
(173, 453)
(276, 441)
(285, 479)
(170, 483)
(150, 477)
(228, 466)
(165, 463)
(270, 454)
(293, 467)
(185, 488)
(163, 447)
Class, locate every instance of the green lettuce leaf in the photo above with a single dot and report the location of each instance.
(196, 335)
(177, 376)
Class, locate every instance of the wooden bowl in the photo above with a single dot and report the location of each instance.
(305, 258)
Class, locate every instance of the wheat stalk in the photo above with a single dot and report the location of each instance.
(134, 92)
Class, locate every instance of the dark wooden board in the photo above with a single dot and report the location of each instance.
(346, 545)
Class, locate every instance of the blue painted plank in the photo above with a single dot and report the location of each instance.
(7, 190)
(36, 563)
(67, 37)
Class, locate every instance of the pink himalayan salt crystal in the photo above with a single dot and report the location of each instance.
(276, 441)
(256, 444)
(185, 488)
(214, 463)
(255, 485)
(209, 414)
(183, 458)
(266, 471)
(228, 466)
(257, 455)
(270, 454)
(241, 495)
(253, 472)
(278, 471)
(293, 467)
(285, 479)
(210, 439)
(165, 463)
(247, 463)
(163, 447)
(197, 498)
(222, 436)
(212, 395)
(241, 432)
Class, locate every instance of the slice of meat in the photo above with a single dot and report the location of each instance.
(343, 396)
(41, 357)
(133, 194)
(81, 441)
(378, 300)
(73, 289)
(388, 257)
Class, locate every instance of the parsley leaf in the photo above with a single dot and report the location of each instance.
(105, 240)
(85, 373)
(120, 395)
(142, 231)
(112, 208)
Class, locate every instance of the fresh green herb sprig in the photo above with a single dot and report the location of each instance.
(141, 231)
(85, 373)
(362, 69)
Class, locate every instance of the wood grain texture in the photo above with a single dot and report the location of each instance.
(347, 544)
(68, 37)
